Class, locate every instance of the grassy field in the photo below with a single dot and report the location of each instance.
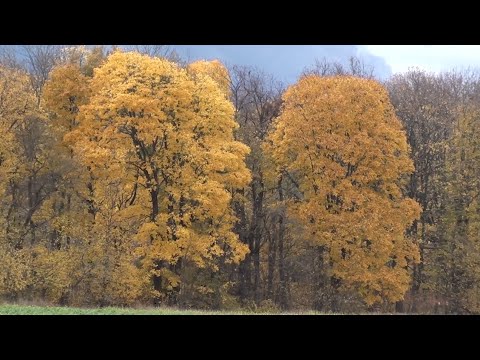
(53, 310)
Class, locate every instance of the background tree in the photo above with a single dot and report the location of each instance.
(256, 96)
(428, 104)
(18, 111)
(456, 257)
(39, 60)
(162, 51)
(354, 66)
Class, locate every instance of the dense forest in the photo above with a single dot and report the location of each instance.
(131, 176)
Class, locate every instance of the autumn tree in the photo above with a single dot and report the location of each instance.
(339, 139)
(39, 196)
(18, 111)
(215, 70)
(70, 257)
(165, 139)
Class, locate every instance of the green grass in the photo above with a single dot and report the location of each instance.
(54, 310)
(8, 309)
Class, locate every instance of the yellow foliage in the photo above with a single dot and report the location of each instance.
(339, 138)
(17, 103)
(215, 70)
(66, 90)
(15, 271)
(159, 146)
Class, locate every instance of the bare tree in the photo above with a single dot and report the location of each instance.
(163, 51)
(39, 60)
(8, 56)
(355, 67)
(257, 100)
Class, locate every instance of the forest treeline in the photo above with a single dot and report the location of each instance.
(135, 177)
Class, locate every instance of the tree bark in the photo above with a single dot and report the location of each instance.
(272, 257)
(282, 291)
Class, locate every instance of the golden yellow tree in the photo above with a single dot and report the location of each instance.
(215, 70)
(85, 222)
(17, 108)
(16, 103)
(162, 141)
(66, 90)
(339, 142)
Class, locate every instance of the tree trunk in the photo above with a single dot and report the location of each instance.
(272, 257)
(282, 291)
(155, 208)
(257, 237)
(400, 307)
(321, 301)
(244, 267)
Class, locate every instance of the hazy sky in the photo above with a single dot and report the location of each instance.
(429, 57)
(287, 61)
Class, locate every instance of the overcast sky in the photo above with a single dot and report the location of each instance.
(430, 57)
(287, 61)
